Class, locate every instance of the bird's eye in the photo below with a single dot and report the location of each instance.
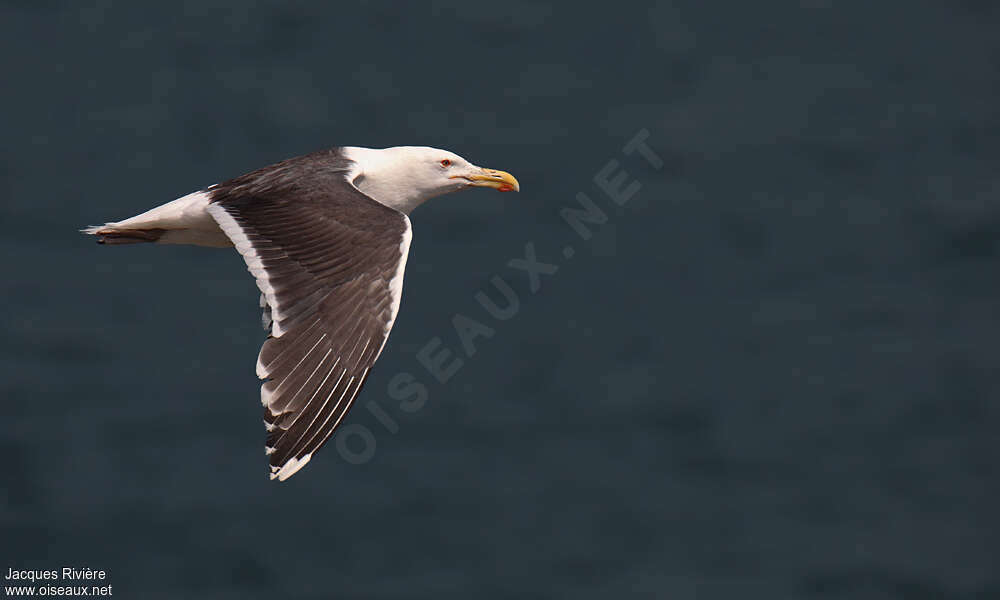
(445, 163)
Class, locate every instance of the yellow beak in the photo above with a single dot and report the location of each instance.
(498, 180)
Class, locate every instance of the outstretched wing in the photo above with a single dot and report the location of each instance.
(329, 262)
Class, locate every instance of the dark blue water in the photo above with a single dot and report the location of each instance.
(771, 373)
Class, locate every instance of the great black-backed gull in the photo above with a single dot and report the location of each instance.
(326, 236)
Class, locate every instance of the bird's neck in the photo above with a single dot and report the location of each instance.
(381, 176)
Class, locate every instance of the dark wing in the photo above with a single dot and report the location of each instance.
(329, 262)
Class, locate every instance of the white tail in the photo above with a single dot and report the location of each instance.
(182, 221)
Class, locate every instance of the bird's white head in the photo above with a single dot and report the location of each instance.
(405, 177)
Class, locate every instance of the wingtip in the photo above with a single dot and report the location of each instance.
(291, 467)
(94, 230)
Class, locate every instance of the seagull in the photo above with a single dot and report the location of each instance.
(326, 236)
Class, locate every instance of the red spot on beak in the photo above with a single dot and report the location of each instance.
(505, 188)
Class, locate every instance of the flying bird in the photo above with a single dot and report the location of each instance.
(326, 237)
